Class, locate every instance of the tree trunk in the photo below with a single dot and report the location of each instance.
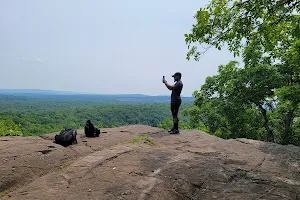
(287, 129)
(266, 124)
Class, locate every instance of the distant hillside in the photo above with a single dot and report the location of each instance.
(60, 95)
(35, 114)
(34, 91)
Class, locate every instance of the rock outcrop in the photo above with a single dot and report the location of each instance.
(142, 162)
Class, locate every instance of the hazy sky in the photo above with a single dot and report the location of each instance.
(99, 46)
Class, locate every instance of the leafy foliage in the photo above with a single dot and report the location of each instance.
(260, 100)
(263, 24)
(45, 116)
(167, 123)
(9, 128)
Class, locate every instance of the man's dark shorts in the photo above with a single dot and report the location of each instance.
(175, 108)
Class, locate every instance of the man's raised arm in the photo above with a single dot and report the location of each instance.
(170, 87)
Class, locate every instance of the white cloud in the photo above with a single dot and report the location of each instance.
(36, 59)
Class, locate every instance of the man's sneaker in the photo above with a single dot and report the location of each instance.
(174, 131)
(171, 130)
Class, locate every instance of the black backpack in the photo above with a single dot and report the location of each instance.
(66, 137)
(90, 130)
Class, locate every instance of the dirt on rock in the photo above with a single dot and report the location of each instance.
(142, 162)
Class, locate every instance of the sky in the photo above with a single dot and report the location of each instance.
(101, 47)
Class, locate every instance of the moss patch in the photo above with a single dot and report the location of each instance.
(4, 192)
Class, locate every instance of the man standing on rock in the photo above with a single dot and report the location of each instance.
(175, 99)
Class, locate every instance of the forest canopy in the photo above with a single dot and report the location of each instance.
(36, 116)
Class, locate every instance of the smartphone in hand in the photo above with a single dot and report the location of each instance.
(163, 79)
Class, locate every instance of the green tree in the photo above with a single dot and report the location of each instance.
(258, 23)
(266, 34)
(166, 123)
(227, 100)
(100, 125)
(8, 127)
(289, 94)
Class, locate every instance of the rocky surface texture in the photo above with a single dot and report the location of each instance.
(142, 162)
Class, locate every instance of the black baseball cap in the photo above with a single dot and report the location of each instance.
(177, 74)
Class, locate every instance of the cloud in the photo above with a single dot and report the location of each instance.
(35, 60)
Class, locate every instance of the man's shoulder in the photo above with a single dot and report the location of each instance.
(179, 83)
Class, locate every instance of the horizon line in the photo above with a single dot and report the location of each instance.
(78, 93)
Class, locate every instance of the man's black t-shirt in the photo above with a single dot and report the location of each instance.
(175, 96)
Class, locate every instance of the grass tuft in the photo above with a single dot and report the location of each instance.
(4, 192)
